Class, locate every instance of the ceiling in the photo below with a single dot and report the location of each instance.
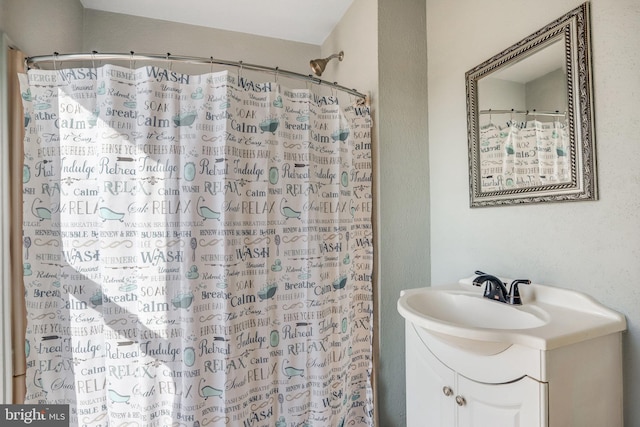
(305, 21)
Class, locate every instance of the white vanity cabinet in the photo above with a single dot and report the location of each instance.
(438, 396)
(553, 361)
(449, 385)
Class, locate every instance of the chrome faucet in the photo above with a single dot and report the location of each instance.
(495, 290)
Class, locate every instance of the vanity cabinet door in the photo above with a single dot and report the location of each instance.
(430, 386)
(522, 403)
(438, 396)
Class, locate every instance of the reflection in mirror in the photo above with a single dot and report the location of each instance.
(527, 103)
(536, 83)
(530, 119)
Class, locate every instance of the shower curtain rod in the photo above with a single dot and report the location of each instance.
(527, 112)
(132, 57)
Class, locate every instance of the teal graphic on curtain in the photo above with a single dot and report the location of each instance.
(198, 250)
(524, 154)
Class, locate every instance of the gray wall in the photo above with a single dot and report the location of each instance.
(403, 187)
(112, 32)
(548, 92)
(592, 247)
(356, 34)
(3, 14)
(41, 27)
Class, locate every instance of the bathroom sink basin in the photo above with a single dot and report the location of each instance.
(471, 310)
(549, 317)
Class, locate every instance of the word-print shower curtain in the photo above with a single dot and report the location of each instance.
(197, 250)
(524, 154)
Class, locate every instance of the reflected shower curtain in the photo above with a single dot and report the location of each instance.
(524, 154)
(197, 250)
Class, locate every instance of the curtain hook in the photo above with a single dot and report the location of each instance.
(490, 118)
(240, 71)
(93, 59)
(277, 84)
(131, 61)
(170, 62)
(211, 64)
(55, 66)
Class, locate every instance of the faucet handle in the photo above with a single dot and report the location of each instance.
(514, 292)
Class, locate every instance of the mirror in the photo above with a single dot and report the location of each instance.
(530, 118)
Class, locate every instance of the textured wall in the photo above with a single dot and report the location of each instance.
(42, 27)
(403, 187)
(3, 15)
(356, 34)
(113, 32)
(593, 247)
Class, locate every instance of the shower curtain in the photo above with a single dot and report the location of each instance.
(524, 154)
(197, 250)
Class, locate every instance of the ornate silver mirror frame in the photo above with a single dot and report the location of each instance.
(503, 173)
